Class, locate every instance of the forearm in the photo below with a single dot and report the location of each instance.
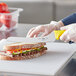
(66, 21)
(69, 19)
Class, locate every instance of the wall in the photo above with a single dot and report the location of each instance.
(42, 11)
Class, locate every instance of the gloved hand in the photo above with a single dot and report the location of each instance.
(46, 29)
(69, 34)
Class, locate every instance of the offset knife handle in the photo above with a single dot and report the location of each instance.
(70, 42)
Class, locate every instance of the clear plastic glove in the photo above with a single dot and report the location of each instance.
(69, 34)
(46, 29)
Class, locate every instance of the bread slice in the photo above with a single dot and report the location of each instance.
(23, 45)
(23, 57)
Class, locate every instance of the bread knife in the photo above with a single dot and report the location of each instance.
(30, 40)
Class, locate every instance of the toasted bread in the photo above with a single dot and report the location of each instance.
(23, 45)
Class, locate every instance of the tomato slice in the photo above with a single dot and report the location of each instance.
(25, 48)
(11, 51)
(4, 7)
(6, 12)
(6, 19)
(0, 8)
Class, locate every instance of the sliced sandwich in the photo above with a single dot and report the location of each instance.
(21, 51)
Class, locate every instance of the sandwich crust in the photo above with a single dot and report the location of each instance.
(23, 45)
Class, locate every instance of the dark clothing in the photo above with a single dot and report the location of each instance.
(69, 19)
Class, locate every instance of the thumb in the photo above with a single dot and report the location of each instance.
(64, 28)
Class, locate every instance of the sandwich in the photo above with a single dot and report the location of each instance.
(21, 51)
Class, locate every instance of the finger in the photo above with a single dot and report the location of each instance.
(35, 32)
(73, 38)
(30, 31)
(67, 39)
(64, 28)
(44, 34)
(36, 35)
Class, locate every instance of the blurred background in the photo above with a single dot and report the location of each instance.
(42, 11)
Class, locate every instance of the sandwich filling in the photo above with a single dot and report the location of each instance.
(24, 50)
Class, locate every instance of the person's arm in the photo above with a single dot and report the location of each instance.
(70, 33)
(69, 19)
(66, 21)
(47, 29)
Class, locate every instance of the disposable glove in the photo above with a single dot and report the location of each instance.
(46, 29)
(69, 34)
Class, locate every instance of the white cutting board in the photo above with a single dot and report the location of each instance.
(48, 64)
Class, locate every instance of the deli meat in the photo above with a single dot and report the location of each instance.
(30, 53)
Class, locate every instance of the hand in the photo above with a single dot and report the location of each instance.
(69, 34)
(46, 29)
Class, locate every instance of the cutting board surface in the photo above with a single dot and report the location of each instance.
(48, 64)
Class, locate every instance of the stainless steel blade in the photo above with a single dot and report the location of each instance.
(29, 40)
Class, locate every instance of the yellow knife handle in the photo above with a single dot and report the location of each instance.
(58, 33)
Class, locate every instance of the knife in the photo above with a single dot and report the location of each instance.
(30, 40)
(57, 34)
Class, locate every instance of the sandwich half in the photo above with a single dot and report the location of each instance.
(21, 51)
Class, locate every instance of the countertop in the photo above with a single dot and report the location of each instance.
(57, 56)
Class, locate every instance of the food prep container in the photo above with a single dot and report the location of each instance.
(9, 21)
